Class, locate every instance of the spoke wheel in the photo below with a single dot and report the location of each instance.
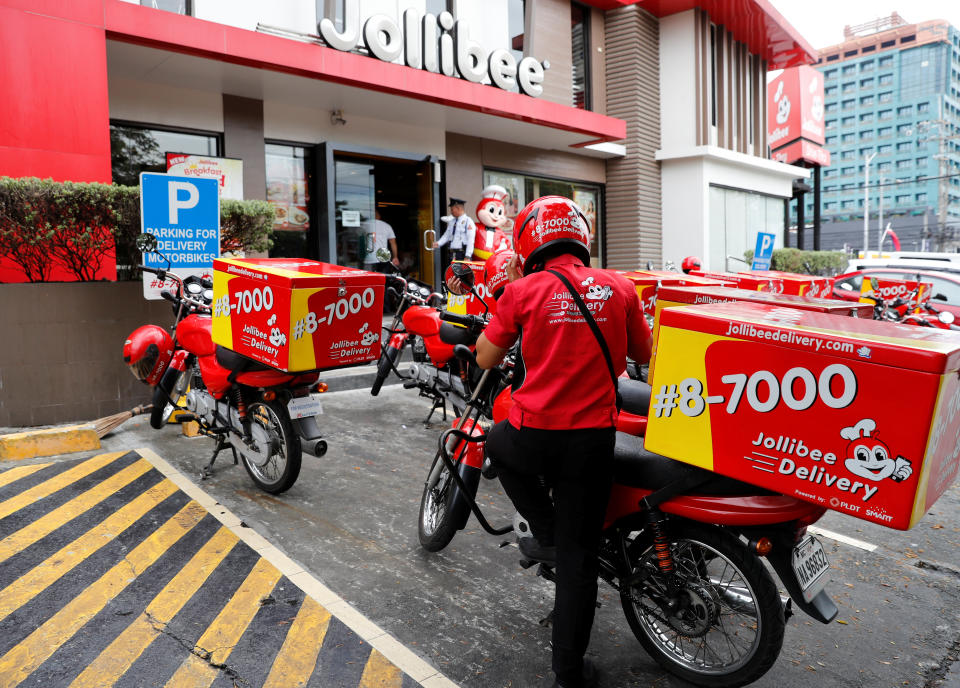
(728, 627)
(273, 462)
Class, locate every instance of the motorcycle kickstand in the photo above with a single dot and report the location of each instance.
(438, 402)
(207, 470)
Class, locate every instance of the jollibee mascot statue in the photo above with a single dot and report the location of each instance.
(491, 220)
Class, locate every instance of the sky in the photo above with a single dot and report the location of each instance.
(821, 22)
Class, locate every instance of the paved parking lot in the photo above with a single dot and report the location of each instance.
(472, 613)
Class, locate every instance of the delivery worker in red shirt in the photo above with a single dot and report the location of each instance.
(560, 433)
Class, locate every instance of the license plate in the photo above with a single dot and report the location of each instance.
(810, 566)
(305, 407)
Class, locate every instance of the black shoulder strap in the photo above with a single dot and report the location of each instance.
(596, 332)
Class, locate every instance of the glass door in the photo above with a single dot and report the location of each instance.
(354, 207)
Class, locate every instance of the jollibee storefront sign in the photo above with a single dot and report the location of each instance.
(859, 416)
(296, 314)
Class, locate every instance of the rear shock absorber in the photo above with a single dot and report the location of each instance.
(661, 549)
(241, 411)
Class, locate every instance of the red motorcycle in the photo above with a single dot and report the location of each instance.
(435, 371)
(259, 412)
(682, 545)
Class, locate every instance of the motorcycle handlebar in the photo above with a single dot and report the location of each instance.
(473, 322)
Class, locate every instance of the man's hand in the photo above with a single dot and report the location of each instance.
(455, 286)
(436, 245)
(513, 271)
(395, 261)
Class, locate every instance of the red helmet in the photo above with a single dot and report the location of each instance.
(550, 221)
(147, 352)
(495, 272)
(690, 263)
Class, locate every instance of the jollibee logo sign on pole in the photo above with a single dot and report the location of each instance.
(184, 214)
(805, 404)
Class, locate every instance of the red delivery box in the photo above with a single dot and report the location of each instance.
(859, 416)
(669, 297)
(468, 304)
(889, 290)
(647, 281)
(746, 280)
(797, 284)
(296, 314)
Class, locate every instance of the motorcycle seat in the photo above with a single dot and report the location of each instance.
(634, 466)
(635, 395)
(238, 363)
(451, 334)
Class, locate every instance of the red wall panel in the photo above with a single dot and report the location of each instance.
(54, 110)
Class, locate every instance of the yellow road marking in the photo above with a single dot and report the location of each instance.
(380, 673)
(24, 658)
(118, 657)
(42, 576)
(297, 658)
(226, 629)
(13, 474)
(45, 525)
(57, 482)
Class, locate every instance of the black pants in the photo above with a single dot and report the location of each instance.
(455, 254)
(578, 465)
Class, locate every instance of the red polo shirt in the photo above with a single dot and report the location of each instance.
(567, 383)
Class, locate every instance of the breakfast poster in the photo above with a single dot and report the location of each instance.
(228, 171)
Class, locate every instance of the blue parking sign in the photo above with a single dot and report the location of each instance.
(184, 214)
(763, 253)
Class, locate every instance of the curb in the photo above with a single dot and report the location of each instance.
(49, 442)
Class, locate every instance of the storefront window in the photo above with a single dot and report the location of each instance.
(515, 26)
(735, 219)
(288, 189)
(136, 148)
(332, 10)
(580, 37)
(175, 6)
(523, 189)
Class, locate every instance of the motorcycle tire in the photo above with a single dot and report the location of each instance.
(726, 591)
(280, 471)
(440, 514)
(386, 363)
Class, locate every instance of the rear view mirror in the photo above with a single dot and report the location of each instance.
(146, 242)
(874, 284)
(463, 273)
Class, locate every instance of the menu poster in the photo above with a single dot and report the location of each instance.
(228, 171)
(287, 191)
(587, 200)
(513, 183)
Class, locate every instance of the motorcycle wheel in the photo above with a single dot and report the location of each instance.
(729, 629)
(388, 359)
(440, 516)
(281, 468)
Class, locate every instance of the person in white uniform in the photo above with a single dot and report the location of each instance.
(379, 244)
(460, 232)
